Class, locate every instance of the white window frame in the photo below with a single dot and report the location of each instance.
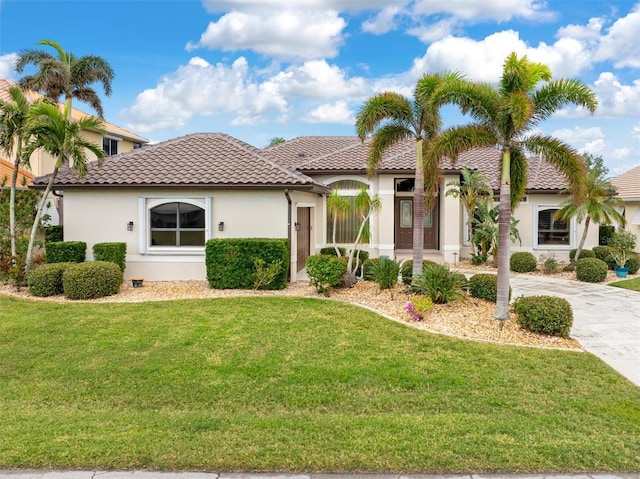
(572, 223)
(112, 138)
(147, 203)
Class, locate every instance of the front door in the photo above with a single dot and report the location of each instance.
(303, 236)
(404, 224)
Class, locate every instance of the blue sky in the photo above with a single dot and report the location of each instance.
(257, 69)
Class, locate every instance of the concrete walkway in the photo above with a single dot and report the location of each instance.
(606, 320)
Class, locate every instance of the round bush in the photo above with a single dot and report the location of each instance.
(591, 270)
(94, 279)
(461, 279)
(633, 263)
(367, 268)
(585, 253)
(602, 252)
(523, 262)
(46, 280)
(325, 271)
(485, 286)
(544, 314)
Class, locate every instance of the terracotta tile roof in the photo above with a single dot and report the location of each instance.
(212, 160)
(628, 184)
(304, 148)
(6, 172)
(75, 113)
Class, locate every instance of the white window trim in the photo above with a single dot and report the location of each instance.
(573, 230)
(147, 203)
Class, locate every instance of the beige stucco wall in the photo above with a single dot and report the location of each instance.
(631, 211)
(96, 216)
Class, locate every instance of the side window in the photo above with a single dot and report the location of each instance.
(348, 221)
(110, 146)
(552, 231)
(177, 224)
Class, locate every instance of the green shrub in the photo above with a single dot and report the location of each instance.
(66, 251)
(603, 252)
(54, 233)
(523, 262)
(605, 232)
(94, 279)
(406, 270)
(367, 268)
(440, 284)
(462, 279)
(585, 253)
(633, 263)
(591, 270)
(112, 252)
(544, 314)
(549, 262)
(419, 307)
(385, 273)
(485, 286)
(325, 271)
(230, 261)
(331, 251)
(265, 273)
(46, 280)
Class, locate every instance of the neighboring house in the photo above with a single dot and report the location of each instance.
(167, 199)
(114, 140)
(628, 188)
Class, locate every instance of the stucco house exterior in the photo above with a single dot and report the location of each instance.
(167, 199)
(628, 188)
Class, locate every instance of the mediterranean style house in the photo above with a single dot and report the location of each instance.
(628, 188)
(166, 200)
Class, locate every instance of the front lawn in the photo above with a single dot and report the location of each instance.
(632, 284)
(294, 384)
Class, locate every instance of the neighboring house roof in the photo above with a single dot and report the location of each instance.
(350, 157)
(76, 114)
(628, 184)
(6, 173)
(199, 160)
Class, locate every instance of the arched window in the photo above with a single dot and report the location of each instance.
(347, 225)
(177, 224)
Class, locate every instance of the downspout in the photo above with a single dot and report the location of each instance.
(60, 207)
(286, 194)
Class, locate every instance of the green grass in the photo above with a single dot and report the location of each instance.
(284, 384)
(632, 284)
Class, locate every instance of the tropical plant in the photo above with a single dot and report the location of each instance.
(509, 117)
(485, 232)
(325, 271)
(622, 244)
(66, 75)
(385, 273)
(394, 118)
(13, 118)
(337, 207)
(440, 284)
(471, 191)
(52, 131)
(276, 140)
(598, 205)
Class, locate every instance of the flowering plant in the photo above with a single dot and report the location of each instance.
(419, 307)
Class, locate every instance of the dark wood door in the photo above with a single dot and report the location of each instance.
(303, 235)
(404, 225)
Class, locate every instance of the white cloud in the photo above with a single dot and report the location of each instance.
(497, 10)
(338, 112)
(350, 5)
(595, 147)
(620, 44)
(286, 34)
(7, 66)
(615, 98)
(621, 153)
(579, 135)
(383, 22)
(589, 33)
(434, 31)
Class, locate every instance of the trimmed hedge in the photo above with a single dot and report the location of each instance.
(591, 270)
(111, 252)
(54, 233)
(523, 262)
(46, 280)
(603, 252)
(633, 263)
(544, 314)
(585, 253)
(66, 251)
(485, 286)
(230, 261)
(325, 271)
(94, 279)
(331, 251)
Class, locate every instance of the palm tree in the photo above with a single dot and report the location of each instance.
(506, 117)
(393, 118)
(13, 118)
(337, 208)
(51, 130)
(472, 191)
(66, 75)
(598, 205)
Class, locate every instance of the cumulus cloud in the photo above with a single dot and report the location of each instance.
(383, 22)
(338, 112)
(286, 34)
(616, 98)
(497, 10)
(7, 66)
(349, 5)
(620, 44)
(590, 140)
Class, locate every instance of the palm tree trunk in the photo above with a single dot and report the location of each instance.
(335, 225)
(36, 221)
(583, 239)
(504, 224)
(12, 207)
(418, 212)
(472, 248)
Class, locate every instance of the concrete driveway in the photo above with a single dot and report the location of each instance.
(606, 320)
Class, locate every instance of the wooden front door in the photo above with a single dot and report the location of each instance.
(404, 224)
(303, 236)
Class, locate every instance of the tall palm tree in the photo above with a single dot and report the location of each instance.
(472, 191)
(598, 205)
(52, 131)
(66, 75)
(13, 118)
(393, 118)
(506, 117)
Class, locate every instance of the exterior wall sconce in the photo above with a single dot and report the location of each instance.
(130, 226)
(221, 226)
(296, 226)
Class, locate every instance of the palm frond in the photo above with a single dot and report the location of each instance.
(387, 106)
(453, 141)
(555, 95)
(385, 137)
(518, 171)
